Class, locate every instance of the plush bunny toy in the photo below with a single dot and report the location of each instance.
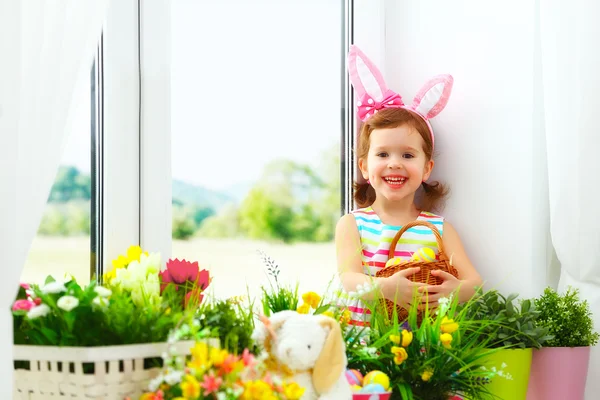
(308, 350)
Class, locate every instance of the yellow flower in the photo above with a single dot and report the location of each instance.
(395, 339)
(110, 275)
(134, 253)
(426, 375)
(400, 354)
(312, 299)
(293, 391)
(446, 339)
(217, 356)
(448, 325)
(257, 390)
(304, 308)
(200, 360)
(407, 337)
(120, 262)
(345, 318)
(190, 388)
(328, 314)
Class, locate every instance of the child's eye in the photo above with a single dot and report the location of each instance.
(382, 154)
(408, 155)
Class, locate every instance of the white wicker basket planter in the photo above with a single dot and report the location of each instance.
(58, 372)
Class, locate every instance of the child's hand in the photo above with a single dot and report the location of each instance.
(399, 288)
(435, 292)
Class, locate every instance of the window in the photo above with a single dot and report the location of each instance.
(256, 130)
(62, 243)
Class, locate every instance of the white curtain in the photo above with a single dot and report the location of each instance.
(571, 66)
(45, 47)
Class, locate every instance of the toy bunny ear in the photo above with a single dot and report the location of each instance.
(433, 96)
(266, 328)
(332, 361)
(365, 76)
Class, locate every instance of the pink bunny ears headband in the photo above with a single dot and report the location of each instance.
(373, 94)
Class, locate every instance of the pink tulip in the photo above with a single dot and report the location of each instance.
(23, 305)
(179, 272)
(25, 286)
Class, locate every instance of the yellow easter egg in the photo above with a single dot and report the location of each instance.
(377, 377)
(394, 261)
(424, 254)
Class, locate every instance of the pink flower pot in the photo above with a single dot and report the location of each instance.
(558, 373)
(371, 396)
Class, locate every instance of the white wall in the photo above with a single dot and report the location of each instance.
(488, 137)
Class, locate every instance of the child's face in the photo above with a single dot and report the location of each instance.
(396, 164)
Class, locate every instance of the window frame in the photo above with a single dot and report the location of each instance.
(136, 118)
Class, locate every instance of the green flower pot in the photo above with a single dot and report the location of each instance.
(515, 363)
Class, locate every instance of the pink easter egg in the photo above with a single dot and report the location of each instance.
(354, 377)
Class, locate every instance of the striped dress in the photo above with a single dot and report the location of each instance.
(375, 238)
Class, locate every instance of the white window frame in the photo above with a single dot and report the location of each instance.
(137, 158)
(137, 140)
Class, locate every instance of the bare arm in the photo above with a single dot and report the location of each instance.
(350, 268)
(469, 278)
(349, 259)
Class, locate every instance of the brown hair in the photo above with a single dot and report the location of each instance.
(434, 193)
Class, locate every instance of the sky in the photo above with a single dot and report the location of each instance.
(250, 82)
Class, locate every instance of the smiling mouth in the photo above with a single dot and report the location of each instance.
(395, 181)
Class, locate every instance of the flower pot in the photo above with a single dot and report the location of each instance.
(559, 373)
(371, 396)
(65, 372)
(514, 363)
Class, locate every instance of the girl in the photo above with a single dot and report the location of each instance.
(394, 155)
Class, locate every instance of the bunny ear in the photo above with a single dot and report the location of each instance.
(265, 331)
(365, 76)
(332, 361)
(433, 96)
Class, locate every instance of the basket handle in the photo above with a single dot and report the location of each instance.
(436, 232)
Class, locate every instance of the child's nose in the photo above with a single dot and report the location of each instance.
(395, 163)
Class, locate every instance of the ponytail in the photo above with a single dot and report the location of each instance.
(433, 196)
(364, 194)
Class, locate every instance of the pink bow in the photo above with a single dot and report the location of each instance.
(367, 106)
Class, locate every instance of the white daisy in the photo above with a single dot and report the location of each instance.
(67, 303)
(53, 287)
(39, 311)
(102, 291)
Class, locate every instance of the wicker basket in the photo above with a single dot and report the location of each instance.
(424, 275)
(118, 371)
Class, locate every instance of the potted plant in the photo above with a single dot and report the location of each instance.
(560, 367)
(516, 331)
(436, 359)
(102, 341)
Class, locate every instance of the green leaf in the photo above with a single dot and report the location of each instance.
(322, 309)
(49, 279)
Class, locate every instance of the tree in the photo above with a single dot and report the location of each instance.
(53, 222)
(225, 224)
(183, 226)
(264, 215)
(69, 185)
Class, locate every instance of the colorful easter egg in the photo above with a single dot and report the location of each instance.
(394, 261)
(377, 377)
(356, 388)
(354, 377)
(373, 388)
(424, 254)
